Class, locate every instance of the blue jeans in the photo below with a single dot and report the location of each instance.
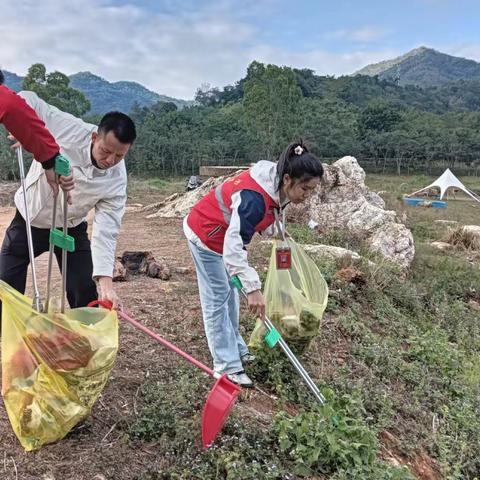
(220, 308)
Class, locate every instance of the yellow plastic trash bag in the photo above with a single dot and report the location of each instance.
(295, 299)
(54, 366)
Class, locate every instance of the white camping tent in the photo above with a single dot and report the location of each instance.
(444, 182)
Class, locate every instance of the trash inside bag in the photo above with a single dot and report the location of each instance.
(54, 366)
(295, 299)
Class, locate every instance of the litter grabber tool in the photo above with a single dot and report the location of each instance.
(37, 302)
(222, 396)
(273, 337)
(58, 238)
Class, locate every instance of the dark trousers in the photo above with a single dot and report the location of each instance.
(14, 260)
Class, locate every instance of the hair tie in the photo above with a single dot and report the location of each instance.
(298, 150)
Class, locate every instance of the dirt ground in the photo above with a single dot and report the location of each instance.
(98, 449)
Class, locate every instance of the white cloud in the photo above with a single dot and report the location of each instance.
(171, 52)
(168, 53)
(466, 50)
(364, 34)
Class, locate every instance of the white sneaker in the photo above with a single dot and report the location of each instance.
(248, 358)
(240, 378)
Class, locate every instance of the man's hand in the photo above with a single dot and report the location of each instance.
(107, 293)
(67, 184)
(256, 303)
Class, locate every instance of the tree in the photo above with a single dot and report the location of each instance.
(54, 89)
(207, 95)
(161, 108)
(273, 104)
(380, 116)
(333, 127)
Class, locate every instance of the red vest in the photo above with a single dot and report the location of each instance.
(210, 217)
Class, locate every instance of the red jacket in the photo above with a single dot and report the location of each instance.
(22, 122)
(210, 217)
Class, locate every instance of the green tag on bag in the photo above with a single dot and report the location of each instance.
(272, 337)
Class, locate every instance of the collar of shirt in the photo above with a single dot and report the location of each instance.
(89, 165)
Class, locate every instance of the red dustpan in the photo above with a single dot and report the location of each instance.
(222, 396)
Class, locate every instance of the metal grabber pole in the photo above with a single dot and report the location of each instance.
(37, 302)
(57, 238)
(273, 337)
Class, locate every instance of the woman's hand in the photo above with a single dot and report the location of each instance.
(256, 303)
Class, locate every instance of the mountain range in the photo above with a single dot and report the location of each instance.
(105, 96)
(423, 67)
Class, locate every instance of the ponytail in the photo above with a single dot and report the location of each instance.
(298, 163)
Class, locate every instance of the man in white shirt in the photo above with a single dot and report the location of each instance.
(96, 159)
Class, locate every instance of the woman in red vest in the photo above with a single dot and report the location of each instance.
(219, 228)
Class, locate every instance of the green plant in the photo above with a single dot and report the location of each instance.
(332, 439)
(303, 234)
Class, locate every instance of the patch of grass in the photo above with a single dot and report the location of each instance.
(272, 369)
(411, 365)
(171, 417)
(303, 234)
(424, 231)
(163, 412)
(337, 238)
(151, 190)
(440, 277)
(331, 440)
(414, 358)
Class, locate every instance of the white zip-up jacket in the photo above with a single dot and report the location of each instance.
(241, 229)
(102, 190)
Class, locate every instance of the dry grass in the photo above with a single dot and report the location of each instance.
(464, 238)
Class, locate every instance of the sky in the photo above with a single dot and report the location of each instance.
(175, 46)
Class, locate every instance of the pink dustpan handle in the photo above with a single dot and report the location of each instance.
(220, 399)
(122, 314)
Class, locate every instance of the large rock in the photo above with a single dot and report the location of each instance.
(180, 204)
(343, 202)
(342, 257)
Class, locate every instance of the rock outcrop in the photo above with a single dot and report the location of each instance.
(179, 204)
(344, 202)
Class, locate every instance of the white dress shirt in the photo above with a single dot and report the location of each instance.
(102, 190)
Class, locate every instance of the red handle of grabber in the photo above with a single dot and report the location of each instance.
(158, 338)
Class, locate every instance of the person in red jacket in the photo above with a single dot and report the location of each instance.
(219, 228)
(24, 125)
